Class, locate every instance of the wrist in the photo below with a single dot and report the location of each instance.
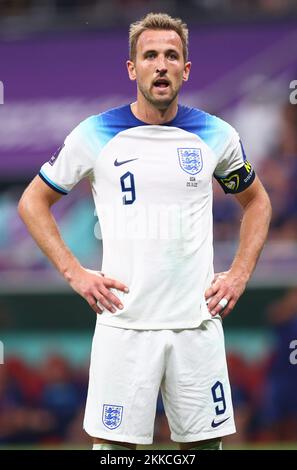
(240, 273)
(69, 272)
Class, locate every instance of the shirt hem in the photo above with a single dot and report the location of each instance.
(153, 326)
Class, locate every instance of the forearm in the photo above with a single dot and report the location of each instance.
(253, 233)
(43, 228)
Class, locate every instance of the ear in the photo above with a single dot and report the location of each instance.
(131, 69)
(186, 72)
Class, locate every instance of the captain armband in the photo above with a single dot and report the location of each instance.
(238, 180)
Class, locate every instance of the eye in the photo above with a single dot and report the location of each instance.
(150, 55)
(172, 56)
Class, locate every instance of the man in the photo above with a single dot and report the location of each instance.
(158, 302)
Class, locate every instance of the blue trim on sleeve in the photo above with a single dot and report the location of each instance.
(51, 184)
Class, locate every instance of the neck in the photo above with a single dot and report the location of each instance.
(149, 114)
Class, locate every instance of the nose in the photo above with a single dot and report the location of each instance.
(161, 66)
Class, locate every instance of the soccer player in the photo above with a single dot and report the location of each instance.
(159, 304)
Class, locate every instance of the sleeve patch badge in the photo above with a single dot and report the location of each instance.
(54, 157)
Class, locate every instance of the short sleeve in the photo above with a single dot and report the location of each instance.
(73, 161)
(233, 172)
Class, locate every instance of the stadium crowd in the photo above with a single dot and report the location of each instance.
(50, 15)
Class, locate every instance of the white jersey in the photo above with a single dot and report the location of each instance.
(152, 187)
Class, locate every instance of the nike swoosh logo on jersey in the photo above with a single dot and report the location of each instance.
(116, 163)
(215, 424)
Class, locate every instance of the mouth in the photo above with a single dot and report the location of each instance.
(161, 83)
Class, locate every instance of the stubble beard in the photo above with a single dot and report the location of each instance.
(161, 104)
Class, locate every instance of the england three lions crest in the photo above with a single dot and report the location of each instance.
(112, 416)
(190, 160)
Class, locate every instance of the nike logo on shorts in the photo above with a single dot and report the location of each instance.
(116, 163)
(215, 424)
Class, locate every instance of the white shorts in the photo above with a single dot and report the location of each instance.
(128, 367)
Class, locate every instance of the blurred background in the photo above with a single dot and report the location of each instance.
(63, 60)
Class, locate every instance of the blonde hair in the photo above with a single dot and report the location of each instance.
(158, 21)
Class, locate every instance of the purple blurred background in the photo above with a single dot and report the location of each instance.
(61, 61)
(51, 83)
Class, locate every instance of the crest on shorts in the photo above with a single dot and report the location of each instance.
(112, 416)
(190, 160)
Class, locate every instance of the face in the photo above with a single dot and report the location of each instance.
(159, 67)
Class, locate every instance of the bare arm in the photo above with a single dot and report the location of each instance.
(253, 233)
(35, 210)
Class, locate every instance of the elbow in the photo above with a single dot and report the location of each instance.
(27, 205)
(261, 207)
(267, 207)
(22, 206)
